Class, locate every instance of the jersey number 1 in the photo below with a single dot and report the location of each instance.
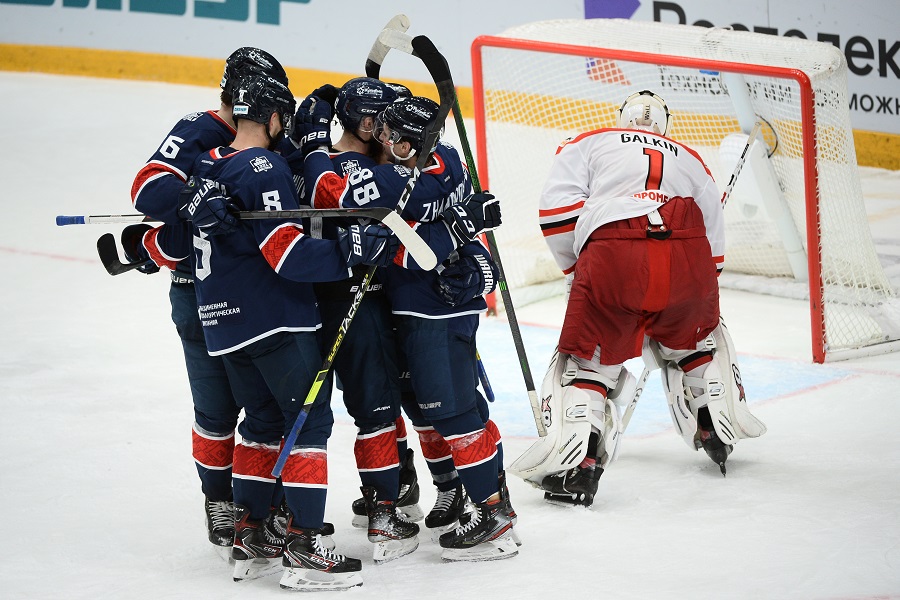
(655, 172)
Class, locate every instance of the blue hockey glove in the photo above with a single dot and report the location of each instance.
(368, 244)
(312, 124)
(327, 92)
(467, 278)
(132, 244)
(205, 203)
(479, 213)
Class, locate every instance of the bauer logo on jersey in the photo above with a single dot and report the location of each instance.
(260, 164)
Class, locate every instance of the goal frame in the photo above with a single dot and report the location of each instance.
(808, 136)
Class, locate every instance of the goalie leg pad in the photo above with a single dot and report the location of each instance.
(566, 412)
(725, 358)
(684, 419)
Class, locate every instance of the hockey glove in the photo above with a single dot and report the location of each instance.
(132, 244)
(312, 124)
(480, 212)
(205, 203)
(466, 279)
(368, 244)
(327, 92)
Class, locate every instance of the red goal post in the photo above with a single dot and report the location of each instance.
(796, 222)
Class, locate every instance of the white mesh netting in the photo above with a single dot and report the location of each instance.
(536, 95)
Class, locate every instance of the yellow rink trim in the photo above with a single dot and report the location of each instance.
(206, 72)
(873, 149)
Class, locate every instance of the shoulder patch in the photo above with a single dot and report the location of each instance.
(404, 171)
(349, 166)
(260, 164)
(191, 116)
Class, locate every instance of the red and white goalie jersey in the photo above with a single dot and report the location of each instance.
(614, 174)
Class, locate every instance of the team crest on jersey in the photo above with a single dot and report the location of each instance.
(404, 171)
(191, 116)
(260, 164)
(350, 166)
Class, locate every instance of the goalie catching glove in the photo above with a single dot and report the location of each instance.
(368, 245)
(206, 204)
(479, 213)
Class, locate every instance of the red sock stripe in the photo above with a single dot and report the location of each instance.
(401, 429)
(472, 449)
(213, 452)
(254, 461)
(306, 467)
(493, 431)
(377, 451)
(434, 447)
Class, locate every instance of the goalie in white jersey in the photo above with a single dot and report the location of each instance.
(635, 221)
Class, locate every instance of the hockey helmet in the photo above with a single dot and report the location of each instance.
(644, 110)
(408, 119)
(362, 97)
(249, 61)
(256, 97)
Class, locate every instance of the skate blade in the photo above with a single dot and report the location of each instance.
(437, 532)
(388, 550)
(360, 521)
(568, 500)
(247, 570)
(412, 512)
(498, 549)
(224, 552)
(311, 580)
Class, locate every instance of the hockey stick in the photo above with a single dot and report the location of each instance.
(482, 376)
(414, 244)
(740, 163)
(109, 256)
(379, 49)
(402, 42)
(440, 72)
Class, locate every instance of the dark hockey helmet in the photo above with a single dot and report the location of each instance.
(402, 90)
(409, 119)
(256, 97)
(249, 61)
(362, 97)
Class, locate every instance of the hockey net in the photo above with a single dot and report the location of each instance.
(795, 222)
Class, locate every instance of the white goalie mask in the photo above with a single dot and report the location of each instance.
(644, 110)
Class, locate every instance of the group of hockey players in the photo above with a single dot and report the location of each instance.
(632, 217)
(256, 303)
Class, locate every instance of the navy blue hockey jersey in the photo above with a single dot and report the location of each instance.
(256, 281)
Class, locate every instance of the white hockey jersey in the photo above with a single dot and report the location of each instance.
(614, 174)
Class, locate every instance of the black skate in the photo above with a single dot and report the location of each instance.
(257, 546)
(407, 498)
(278, 522)
(220, 526)
(310, 566)
(449, 506)
(486, 535)
(393, 537)
(576, 486)
(715, 448)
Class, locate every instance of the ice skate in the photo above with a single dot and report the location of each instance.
(487, 535)
(310, 566)
(407, 499)
(715, 449)
(576, 486)
(278, 522)
(257, 546)
(220, 526)
(393, 537)
(449, 506)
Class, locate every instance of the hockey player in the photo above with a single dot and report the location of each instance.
(644, 254)
(367, 363)
(155, 192)
(432, 333)
(259, 314)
